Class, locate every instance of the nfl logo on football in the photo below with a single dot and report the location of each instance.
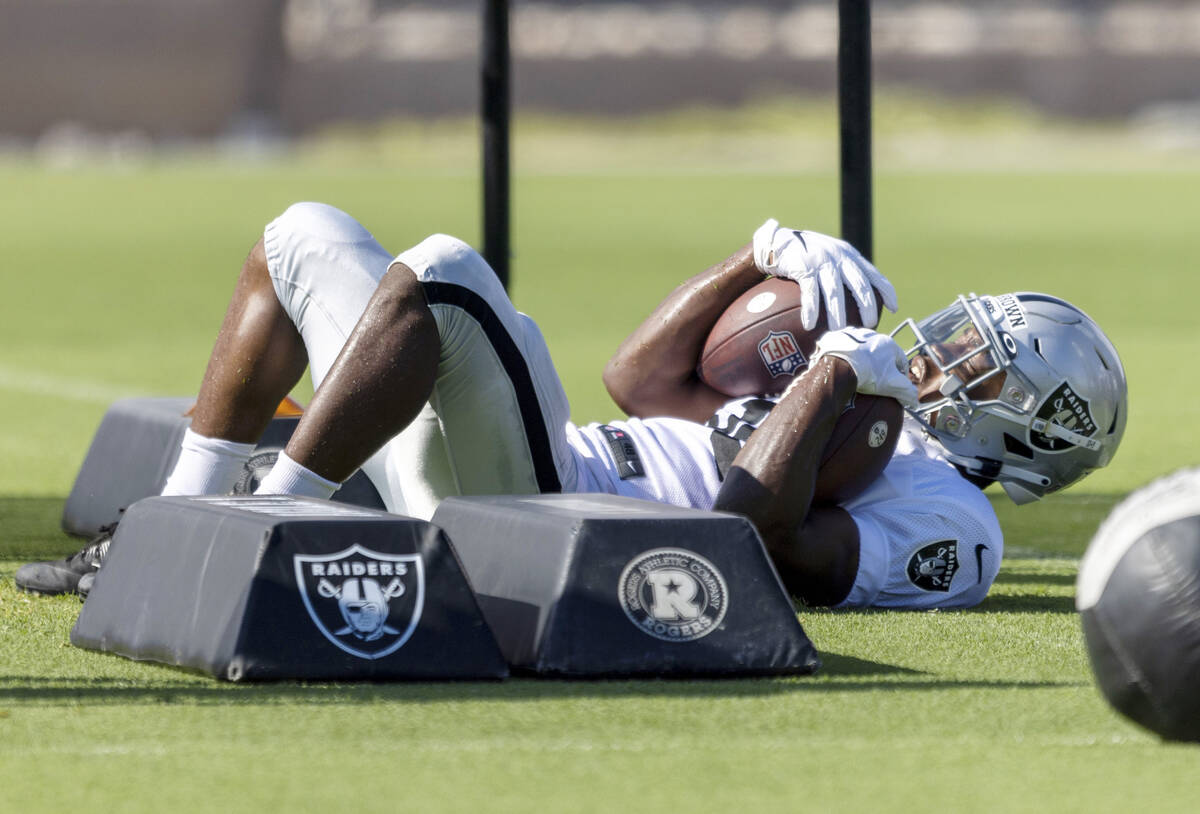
(780, 353)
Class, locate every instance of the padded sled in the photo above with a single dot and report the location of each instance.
(134, 451)
(254, 588)
(597, 585)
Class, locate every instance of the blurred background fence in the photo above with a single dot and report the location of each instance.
(158, 70)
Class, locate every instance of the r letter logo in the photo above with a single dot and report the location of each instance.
(673, 594)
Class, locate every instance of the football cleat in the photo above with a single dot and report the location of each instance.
(85, 585)
(63, 576)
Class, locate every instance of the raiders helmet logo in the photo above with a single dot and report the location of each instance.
(364, 602)
(780, 353)
(1067, 409)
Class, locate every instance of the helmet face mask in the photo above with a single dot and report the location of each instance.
(1032, 394)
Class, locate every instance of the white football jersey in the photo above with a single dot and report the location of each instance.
(670, 460)
(928, 537)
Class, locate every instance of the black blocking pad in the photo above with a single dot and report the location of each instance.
(134, 451)
(254, 588)
(598, 585)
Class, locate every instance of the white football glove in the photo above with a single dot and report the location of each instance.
(877, 360)
(822, 265)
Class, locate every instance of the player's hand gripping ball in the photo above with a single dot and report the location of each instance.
(824, 267)
(878, 362)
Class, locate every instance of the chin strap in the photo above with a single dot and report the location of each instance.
(990, 468)
(1059, 431)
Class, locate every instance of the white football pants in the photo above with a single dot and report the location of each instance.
(495, 422)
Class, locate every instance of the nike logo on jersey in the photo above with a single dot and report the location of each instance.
(979, 551)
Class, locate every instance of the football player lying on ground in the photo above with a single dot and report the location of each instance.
(429, 380)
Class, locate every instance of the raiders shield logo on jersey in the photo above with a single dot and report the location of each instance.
(932, 567)
(365, 602)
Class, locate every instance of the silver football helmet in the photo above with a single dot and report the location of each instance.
(1033, 395)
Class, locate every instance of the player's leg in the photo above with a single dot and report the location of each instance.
(301, 292)
(257, 358)
(452, 363)
(497, 416)
(378, 383)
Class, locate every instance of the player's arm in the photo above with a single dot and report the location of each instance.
(653, 372)
(773, 478)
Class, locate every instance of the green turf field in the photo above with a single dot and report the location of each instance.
(115, 279)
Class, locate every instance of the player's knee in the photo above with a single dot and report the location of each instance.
(256, 261)
(323, 221)
(303, 225)
(400, 300)
(255, 278)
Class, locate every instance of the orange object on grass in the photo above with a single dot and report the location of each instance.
(289, 408)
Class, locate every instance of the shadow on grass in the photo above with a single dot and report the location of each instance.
(32, 529)
(1060, 525)
(1024, 603)
(1018, 578)
(839, 674)
(835, 664)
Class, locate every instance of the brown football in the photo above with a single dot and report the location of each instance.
(758, 345)
(861, 445)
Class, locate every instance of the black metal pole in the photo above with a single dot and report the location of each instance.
(495, 113)
(854, 117)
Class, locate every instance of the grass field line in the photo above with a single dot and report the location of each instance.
(508, 744)
(1027, 553)
(30, 382)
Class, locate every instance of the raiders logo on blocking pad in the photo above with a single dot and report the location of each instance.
(366, 602)
(601, 585)
(273, 587)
